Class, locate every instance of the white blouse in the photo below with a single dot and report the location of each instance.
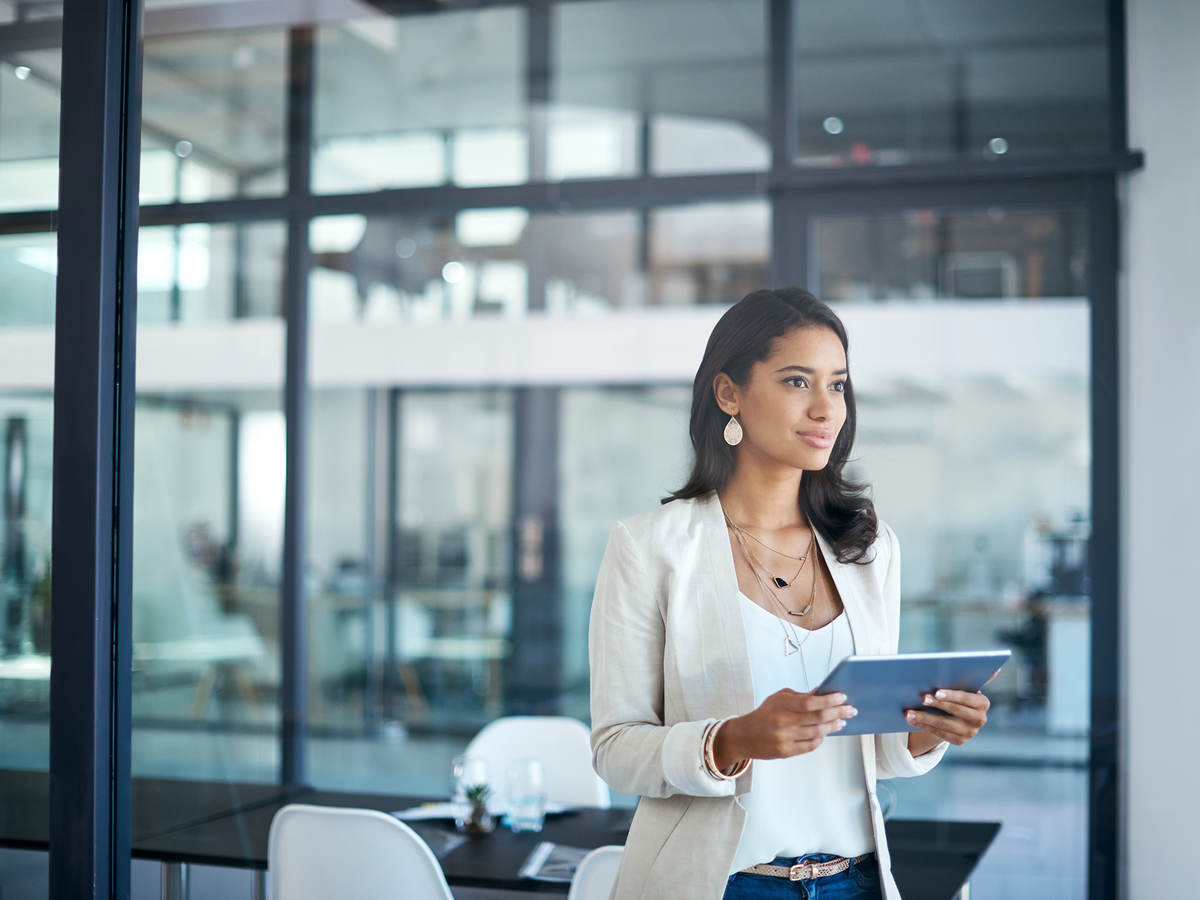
(815, 802)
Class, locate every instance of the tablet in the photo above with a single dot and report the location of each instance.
(881, 688)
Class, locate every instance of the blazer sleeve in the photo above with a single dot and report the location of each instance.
(892, 759)
(632, 750)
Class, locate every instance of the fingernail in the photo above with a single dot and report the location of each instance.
(926, 699)
(912, 716)
(853, 711)
(941, 695)
(841, 698)
(841, 723)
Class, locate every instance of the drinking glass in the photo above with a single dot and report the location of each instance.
(467, 772)
(526, 795)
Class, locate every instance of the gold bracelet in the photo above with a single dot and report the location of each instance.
(710, 760)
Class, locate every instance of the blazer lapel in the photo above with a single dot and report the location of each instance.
(723, 611)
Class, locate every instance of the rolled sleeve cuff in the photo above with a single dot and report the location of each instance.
(899, 763)
(683, 761)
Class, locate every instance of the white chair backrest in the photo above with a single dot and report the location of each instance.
(596, 875)
(561, 743)
(318, 852)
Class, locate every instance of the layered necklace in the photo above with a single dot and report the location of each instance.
(792, 643)
(760, 570)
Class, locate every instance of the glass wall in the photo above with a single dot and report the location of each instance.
(500, 358)
(209, 460)
(421, 100)
(29, 148)
(665, 86)
(880, 83)
(970, 352)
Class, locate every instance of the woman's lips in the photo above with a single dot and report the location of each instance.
(818, 438)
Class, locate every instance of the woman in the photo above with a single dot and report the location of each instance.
(716, 614)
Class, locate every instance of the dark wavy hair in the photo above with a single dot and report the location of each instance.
(839, 509)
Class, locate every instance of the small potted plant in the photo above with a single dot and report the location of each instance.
(480, 820)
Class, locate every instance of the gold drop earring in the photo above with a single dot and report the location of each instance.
(733, 431)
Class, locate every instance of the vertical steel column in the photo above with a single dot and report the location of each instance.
(781, 96)
(391, 660)
(789, 226)
(96, 315)
(1104, 265)
(292, 631)
(533, 669)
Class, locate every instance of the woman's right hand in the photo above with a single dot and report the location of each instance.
(787, 723)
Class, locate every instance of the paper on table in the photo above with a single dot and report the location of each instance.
(552, 862)
(446, 810)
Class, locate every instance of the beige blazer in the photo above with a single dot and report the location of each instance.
(668, 656)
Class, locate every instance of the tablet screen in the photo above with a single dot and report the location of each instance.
(881, 688)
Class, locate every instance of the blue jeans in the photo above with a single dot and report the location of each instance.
(859, 882)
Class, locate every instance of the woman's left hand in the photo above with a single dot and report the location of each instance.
(967, 714)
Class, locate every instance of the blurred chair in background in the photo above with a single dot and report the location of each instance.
(319, 852)
(561, 743)
(596, 875)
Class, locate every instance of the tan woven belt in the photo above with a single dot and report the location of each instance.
(808, 870)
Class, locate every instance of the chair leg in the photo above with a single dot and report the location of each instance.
(175, 881)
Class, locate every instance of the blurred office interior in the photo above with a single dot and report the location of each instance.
(506, 230)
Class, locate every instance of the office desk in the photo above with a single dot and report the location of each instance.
(180, 823)
(930, 860)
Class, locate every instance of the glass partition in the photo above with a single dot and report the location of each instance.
(969, 336)
(881, 83)
(30, 75)
(657, 86)
(415, 100)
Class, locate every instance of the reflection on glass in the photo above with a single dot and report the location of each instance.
(346, 504)
(416, 100)
(208, 500)
(450, 603)
(628, 82)
(213, 116)
(29, 115)
(607, 474)
(886, 84)
(202, 272)
(925, 253)
(708, 252)
(28, 269)
(975, 434)
(388, 268)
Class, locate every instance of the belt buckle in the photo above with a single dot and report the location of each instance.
(798, 872)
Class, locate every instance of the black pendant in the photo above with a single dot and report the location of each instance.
(779, 582)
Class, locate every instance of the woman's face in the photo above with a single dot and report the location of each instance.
(794, 404)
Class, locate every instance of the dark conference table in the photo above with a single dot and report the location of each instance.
(180, 823)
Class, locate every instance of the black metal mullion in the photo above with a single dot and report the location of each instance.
(1118, 98)
(781, 88)
(91, 559)
(1104, 253)
(388, 707)
(293, 603)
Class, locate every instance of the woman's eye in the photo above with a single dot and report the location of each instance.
(792, 381)
(840, 385)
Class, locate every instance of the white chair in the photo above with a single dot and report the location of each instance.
(319, 852)
(596, 874)
(561, 743)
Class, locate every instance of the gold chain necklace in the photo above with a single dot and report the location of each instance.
(779, 582)
(753, 563)
(791, 644)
